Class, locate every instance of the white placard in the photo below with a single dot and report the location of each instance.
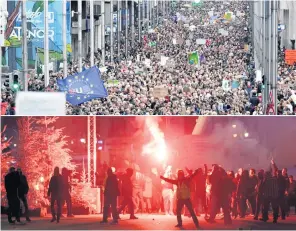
(103, 69)
(163, 60)
(211, 13)
(40, 103)
(226, 85)
(225, 33)
(160, 92)
(258, 76)
(201, 41)
(147, 62)
(174, 41)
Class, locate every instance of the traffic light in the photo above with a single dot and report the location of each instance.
(16, 85)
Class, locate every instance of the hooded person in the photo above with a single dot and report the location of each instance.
(23, 191)
(12, 183)
(271, 194)
(127, 192)
(183, 195)
(111, 192)
(222, 187)
(55, 192)
(67, 192)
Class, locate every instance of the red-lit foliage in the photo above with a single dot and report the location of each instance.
(6, 160)
(42, 147)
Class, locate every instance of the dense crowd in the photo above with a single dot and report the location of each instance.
(286, 93)
(204, 191)
(212, 192)
(222, 83)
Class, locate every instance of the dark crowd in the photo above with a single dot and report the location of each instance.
(17, 188)
(213, 193)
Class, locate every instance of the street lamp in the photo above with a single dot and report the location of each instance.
(234, 135)
(234, 125)
(14, 145)
(82, 140)
(246, 135)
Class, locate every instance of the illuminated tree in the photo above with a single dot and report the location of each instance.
(83, 194)
(42, 147)
(6, 159)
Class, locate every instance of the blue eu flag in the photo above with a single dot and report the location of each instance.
(83, 86)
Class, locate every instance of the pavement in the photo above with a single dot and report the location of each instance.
(146, 222)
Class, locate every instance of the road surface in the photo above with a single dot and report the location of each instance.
(146, 222)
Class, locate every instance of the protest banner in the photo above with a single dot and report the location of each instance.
(160, 92)
(235, 84)
(258, 76)
(225, 33)
(201, 41)
(113, 82)
(225, 85)
(163, 60)
(41, 103)
(290, 57)
(147, 62)
(103, 69)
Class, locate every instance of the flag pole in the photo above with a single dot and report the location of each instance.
(126, 28)
(92, 34)
(139, 20)
(157, 5)
(64, 31)
(111, 32)
(118, 27)
(24, 45)
(46, 44)
(80, 35)
(103, 30)
(133, 22)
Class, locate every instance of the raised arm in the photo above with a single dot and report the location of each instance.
(169, 180)
(206, 170)
(274, 168)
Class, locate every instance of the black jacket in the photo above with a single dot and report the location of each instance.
(24, 187)
(127, 186)
(111, 186)
(12, 183)
(55, 189)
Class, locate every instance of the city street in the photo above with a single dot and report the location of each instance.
(146, 222)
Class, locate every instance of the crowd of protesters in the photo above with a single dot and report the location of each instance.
(286, 92)
(206, 191)
(213, 192)
(191, 89)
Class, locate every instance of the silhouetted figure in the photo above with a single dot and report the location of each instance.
(222, 187)
(23, 191)
(111, 193)
(55, 191)
(271, 194)
(12, 183)
(127, 193)
(67, 192)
